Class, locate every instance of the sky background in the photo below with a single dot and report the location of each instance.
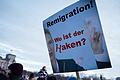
(21, 29)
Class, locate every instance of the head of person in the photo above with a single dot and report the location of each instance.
(31, 76)
(44, 68)
(16, 70)
(50, 43)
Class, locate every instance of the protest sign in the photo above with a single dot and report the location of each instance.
(75, 39)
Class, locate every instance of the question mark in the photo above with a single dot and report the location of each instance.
(83, 40)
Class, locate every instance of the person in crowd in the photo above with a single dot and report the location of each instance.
(3, 77)
(101, 77)
(16, 70)
(43, 74)
(31, 77)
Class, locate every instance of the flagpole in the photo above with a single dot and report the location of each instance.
(78, 76)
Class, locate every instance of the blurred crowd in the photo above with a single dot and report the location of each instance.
(15, 72)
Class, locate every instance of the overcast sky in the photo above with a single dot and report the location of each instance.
(21, 29)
